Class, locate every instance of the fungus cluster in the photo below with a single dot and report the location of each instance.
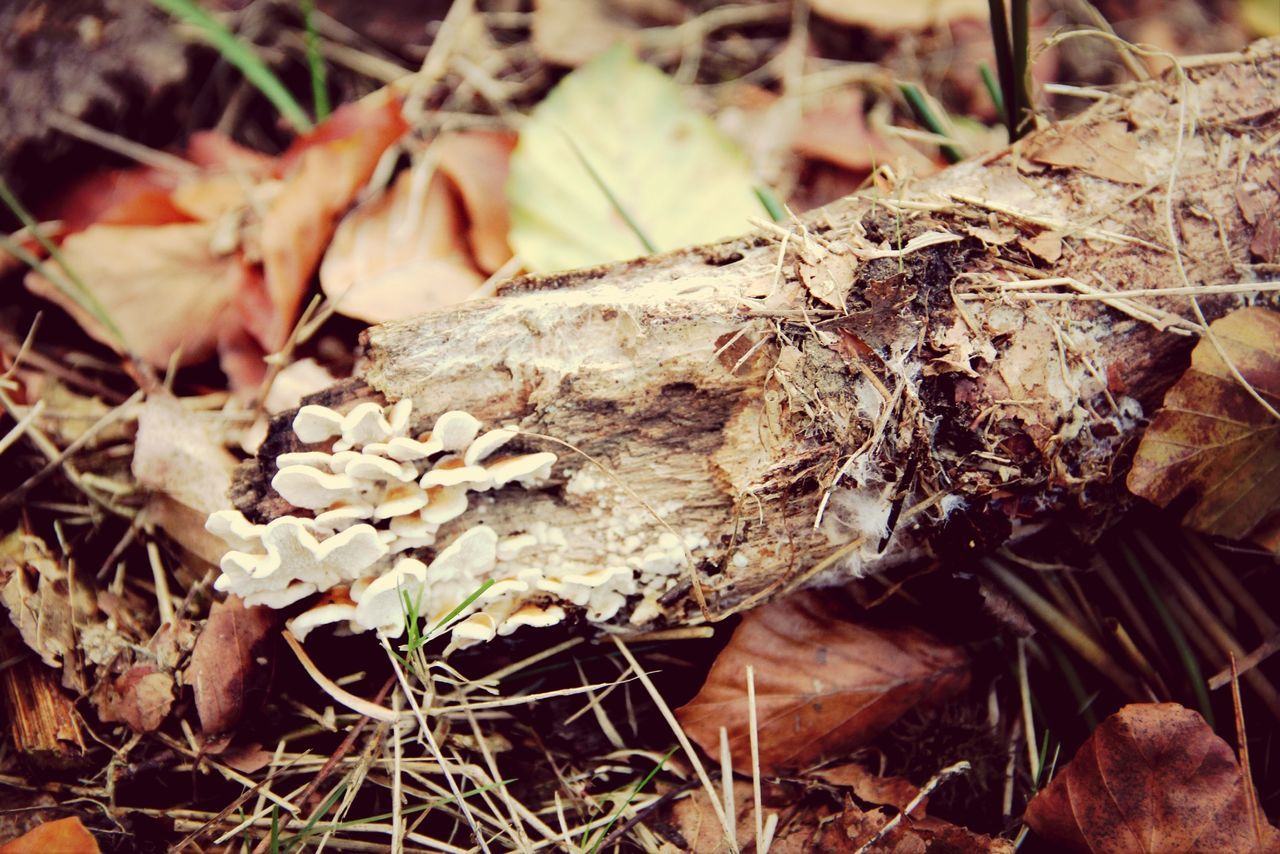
(378, 493)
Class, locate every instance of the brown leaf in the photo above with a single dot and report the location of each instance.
(328, 168)
(827, 275)
(141, 697)
(697, 821)
(836, 132)
(1105, 150)
(1047, 245)
(64, 836)
(1212, 436)
(1152, 778)
(874, 789)
(902, 15)
(1266, 238)
(224, 662)
(824, 685)
(46, 610)
(163, 286)
(403, 253)
(809, 827)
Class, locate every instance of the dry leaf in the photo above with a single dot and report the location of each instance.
(163, 286)
(47, 611)
(1212, 436)
(403, 253)
(874, 789)
(478, 163)
(140, 697)
(178, 452)
(177, 455)
(327, 169)
(1047, 245)
(135, 196)
(1266, 238)
(817, 827)
(572, 32)
(836, 132)
(824, 685)
(64, 836)
(902, 15)
(827, 276)
(224, 664)
(698, 824)
(1152, 778)
(1103, 149)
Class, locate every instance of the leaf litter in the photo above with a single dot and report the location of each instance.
(243, 234)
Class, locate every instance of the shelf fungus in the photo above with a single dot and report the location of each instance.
(363, 538)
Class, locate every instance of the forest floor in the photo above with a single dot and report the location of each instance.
(185, 237)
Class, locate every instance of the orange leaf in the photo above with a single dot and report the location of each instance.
(1152, 778)
(135, 196)
(824, 685)
(162, 285)
(1212, 436)
(836, 131)
(329, 167)
(401, 253)
(478, 162)
(224, 664)
(211, 150)
(64, 836)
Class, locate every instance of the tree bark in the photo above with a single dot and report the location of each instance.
(884, 381)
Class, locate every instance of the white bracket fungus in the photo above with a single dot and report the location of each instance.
(378, 492)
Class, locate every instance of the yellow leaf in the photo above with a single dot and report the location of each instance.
(679, 179)
(1214, 437)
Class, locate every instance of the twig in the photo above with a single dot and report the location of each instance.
(925, 790)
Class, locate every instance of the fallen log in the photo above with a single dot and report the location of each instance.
(929, 370)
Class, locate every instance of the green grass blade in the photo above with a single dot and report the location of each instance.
(1185, 653)
(993, 87)
(67, 280)
(275, 830)
(614, 201)
(1004, 63)
(309, 828)
(1020, 24)
(1084, 702)
(462, 606)
(924, 112)
(239, 54)
(604, 831)
(319, 74)
(770, 202)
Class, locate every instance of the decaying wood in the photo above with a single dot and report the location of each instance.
(888, 381)
(43, 722)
